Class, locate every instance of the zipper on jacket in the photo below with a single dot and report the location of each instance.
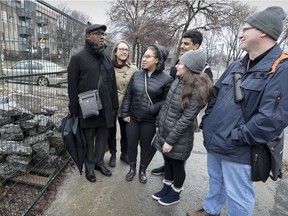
(277, 101)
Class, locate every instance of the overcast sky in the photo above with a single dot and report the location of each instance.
(96, 9)
(262, 4)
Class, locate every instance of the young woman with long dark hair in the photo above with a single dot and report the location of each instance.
(188, 94)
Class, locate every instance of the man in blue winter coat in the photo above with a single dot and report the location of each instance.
(227, 136)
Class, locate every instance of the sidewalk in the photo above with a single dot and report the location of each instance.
(111, 196)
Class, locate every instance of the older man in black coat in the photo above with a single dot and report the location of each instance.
(84, 70)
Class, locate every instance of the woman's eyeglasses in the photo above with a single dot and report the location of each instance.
(147, 56)
(123, 49)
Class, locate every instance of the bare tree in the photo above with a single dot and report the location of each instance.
(230, 30)
(145, 22)
(142, 23)
(70, 34)
(200, 14)
(284, 35)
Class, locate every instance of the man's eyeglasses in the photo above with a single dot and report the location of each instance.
(123, 49)
(147, 56)
(246, 29)
(98, 34)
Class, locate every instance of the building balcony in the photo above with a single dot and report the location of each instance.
(25, 31)
(42, 21)
(25, 13)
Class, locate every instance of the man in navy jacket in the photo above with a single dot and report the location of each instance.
(227, 136)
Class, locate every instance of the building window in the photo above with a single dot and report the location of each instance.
(11, 20)
(3, 16)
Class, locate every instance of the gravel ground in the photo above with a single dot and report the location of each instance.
(16, 197)
(49, 196)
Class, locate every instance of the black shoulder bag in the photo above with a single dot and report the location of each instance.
(268, 157)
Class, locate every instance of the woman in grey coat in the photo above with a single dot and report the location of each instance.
(188, 94)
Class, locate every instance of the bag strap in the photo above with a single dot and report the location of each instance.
(101, 68)
(283, 57)
(145, 84)
(99, 80)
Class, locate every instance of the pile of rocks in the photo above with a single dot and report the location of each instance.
(28, 138)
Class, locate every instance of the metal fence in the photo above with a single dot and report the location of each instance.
(36, 42)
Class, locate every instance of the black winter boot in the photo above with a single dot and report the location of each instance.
(164, 191)
(142, 174)
(112, 161)
(172, 197)
(132, 172)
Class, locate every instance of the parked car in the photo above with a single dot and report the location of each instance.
(41, 72)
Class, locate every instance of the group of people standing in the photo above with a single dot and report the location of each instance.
(148, 103)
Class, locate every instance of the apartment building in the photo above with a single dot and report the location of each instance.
(31, 27)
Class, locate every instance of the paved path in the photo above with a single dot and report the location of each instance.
(111, 196)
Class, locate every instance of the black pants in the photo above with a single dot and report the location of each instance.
(96, 139)
(174, 171)
(142, 132)
(112, 137)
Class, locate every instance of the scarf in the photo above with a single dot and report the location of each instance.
(119, 65)
(99, 52)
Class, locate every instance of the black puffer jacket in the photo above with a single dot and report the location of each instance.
(136, 103)
(176, 126)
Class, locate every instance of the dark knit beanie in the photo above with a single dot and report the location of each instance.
(269, 21)
(93, 27)
(194, 60)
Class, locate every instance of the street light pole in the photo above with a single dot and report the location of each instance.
(1, 55)
(42, 46)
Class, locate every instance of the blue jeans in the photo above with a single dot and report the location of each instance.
(230, 182)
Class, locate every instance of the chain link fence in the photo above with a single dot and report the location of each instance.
(36, 42)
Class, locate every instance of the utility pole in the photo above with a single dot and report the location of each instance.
(42, 46)
(1, 56)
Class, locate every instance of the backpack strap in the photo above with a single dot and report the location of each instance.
(283, 57)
